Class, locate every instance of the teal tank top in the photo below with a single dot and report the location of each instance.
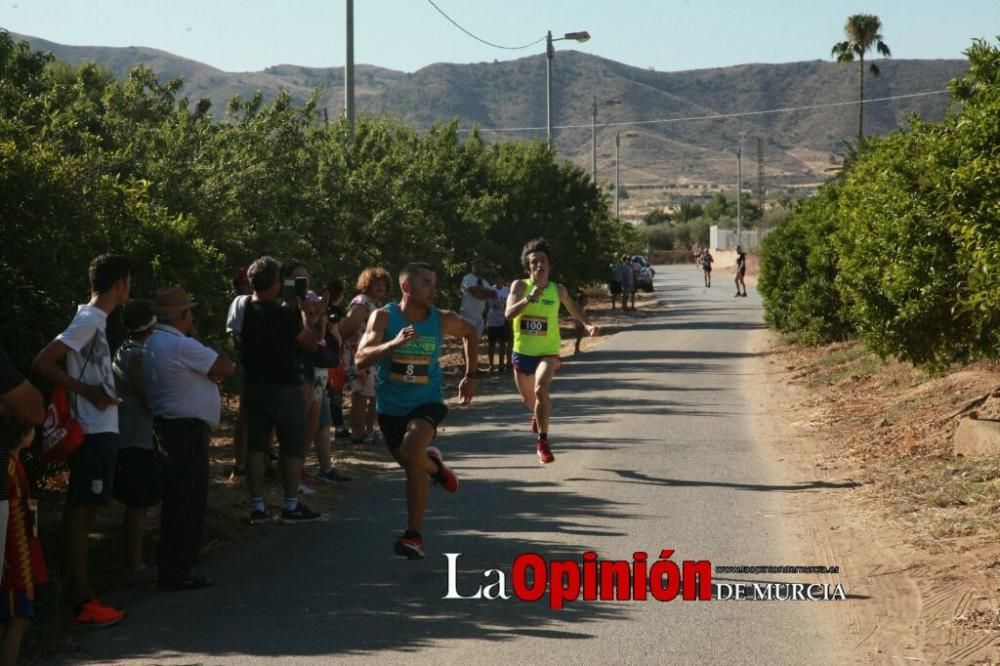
(410, 376)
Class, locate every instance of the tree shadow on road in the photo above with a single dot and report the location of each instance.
(337, 589)
(631, 476)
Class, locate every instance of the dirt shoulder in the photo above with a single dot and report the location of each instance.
(912, 526)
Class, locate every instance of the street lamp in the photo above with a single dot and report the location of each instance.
(593, 137)
(550, 53)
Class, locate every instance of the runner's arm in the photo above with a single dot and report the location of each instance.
(371, 349)
(455, 326)
(574, 309)
(518, 300)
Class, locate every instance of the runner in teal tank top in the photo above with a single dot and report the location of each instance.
(403, 342)
(533, 306)
(410, 376)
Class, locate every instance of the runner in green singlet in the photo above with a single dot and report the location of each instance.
(533, 306)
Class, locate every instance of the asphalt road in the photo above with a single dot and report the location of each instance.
(653, 450)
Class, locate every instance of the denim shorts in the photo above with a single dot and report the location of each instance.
(92, 470)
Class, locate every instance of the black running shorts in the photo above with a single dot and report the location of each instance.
(394, 427)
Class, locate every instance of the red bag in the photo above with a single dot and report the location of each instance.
(61, 434)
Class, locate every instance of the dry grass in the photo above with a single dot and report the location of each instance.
(894, 423)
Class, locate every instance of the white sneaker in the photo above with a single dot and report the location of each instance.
(306, 490)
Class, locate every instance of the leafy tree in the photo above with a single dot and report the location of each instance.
(656, 216)
(862, 31)
(718, 207)
(689, 210)
(90, 164)
(798, 272)
(723, 207)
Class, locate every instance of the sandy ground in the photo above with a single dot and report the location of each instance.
(917, 594)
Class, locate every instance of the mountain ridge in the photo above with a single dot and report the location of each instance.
(799, 146)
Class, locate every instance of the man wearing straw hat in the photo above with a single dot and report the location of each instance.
(180, 375)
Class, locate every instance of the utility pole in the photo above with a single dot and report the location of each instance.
(349, 72)
(593, 144)
(549, 54)
(618, 199)
(760, 173)
(739, 192)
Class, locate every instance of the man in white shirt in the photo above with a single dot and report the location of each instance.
(475, 293)
(180, 374)
(91, 382)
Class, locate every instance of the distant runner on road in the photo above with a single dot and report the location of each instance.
(741, 270)
(533, 305)
(403, 342)
(706, 266)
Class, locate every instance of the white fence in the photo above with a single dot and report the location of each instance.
(725, 239)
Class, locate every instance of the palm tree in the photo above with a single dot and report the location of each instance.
(862, 32)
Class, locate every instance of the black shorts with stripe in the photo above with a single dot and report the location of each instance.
(394, 427)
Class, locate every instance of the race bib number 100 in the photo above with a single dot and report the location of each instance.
(534, 326)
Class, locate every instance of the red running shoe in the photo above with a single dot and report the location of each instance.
(534, 424)
(544, 452)
(410, 546)
(94, 614)
(444, 477)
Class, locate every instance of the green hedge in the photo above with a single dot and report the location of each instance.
(89, 164)
(909, 235)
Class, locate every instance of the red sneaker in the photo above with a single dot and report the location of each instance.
(544, 452)
(444, 477)
(534, 424)
(410, 546)
(93, 614)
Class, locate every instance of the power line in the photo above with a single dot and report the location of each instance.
(480, 39)
(721, 116)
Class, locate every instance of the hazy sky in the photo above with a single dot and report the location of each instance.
(246, 35)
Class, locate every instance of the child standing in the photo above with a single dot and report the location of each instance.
(137, 477)
(581, 300)
(24, 565)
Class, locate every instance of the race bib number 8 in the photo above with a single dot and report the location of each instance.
(534, 326)
(410, 369)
